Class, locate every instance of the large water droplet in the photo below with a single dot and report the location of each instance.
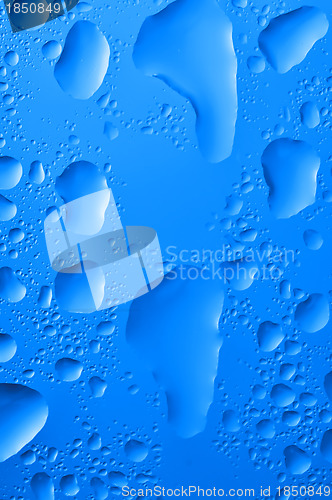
(230, 421)
(8, 209)
(11, 288)
(98, 387)
(328, 385)
(290, 170)
(82, 66)
(310, 114)
(10, 172)
(69, 485)
(174, 328)
(266, 428)
(297, 461)
(36, 172)
(23, 414)
(189, 46)
(136, 450)
(289, 37)
(282, 395)
(291, 418)
(269, 336)
(51, 50)
(42, 486)
(76, 293)
(312, 239)
(7, 347)
(68, 369)
(326, 445)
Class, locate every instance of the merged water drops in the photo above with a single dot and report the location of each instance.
(269, 336)
(200, 64)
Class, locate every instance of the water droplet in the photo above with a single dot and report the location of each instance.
(110, 131)
(289, 37)
(11, 58)
(296, 460)
(94, 442)
(10, 172)
(98, 387)
(136, 450)
(8, 347)
(313, 239)
(256, 64)
(11, 288)
(68, 369)
(291, 418)
(174, 328)
(326, 446)
(105, 328)
(51, 50)
(282, 395)
(42, 486)
(230, 421)
(23, 414)
(82, 66)
(8, 209)
(36, 172)
(69, 485)
(290, 170)
(171, 46)
(266, 429)
(328, 385)
(45, 297)
(313, 314)
(269, 336)
(310, 114)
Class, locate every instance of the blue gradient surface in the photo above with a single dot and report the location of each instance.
(222, 383)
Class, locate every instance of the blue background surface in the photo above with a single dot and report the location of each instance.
(162, 181)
